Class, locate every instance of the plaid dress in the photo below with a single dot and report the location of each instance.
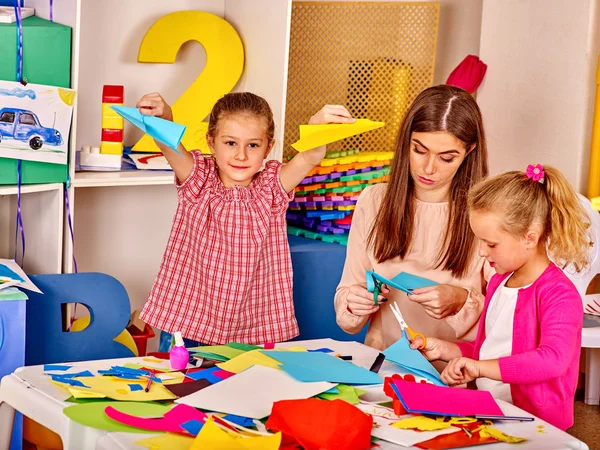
(226, 275)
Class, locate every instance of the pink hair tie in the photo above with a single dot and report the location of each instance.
(535, 173)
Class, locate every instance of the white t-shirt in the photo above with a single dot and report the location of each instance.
(498, 336)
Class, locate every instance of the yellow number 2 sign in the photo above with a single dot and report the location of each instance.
(224, 66)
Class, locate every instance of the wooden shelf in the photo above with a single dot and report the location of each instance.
(125, 178)
(29, 188)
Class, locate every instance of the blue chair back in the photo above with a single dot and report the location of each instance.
(108, 304)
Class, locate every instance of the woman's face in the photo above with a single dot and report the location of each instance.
(434, 160)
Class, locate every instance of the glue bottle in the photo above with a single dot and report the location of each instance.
(179, 355)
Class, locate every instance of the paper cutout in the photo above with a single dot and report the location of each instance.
(16, 269)
(165, 131)
(244, 347)
(213, 375)
(170, 422)
(219, 350)
(454, 440)
(384, 418)
(49, 367)
(167, 441)
(486, 431)
(347, 393)
(171, 378)
(312, 136)
(92, 414)
(404, 281)
(421, 423)
(110, 388)
(323, 350)
(251, 393)
(317, 366)
(80, 393)
(135, 387)
(424, 398)
(183, 389)
(69, 381)
(165, 368)
(320, 424)
(248, 359)
(412, 360)
(211, 356)
(152, 360)
(192, 426)
(239, 420)
(214, 438)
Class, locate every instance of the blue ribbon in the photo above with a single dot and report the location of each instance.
(19, 41)
(51, 11)
(19, 224)
(66, 189)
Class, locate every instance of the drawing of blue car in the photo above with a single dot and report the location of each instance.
(23, 125)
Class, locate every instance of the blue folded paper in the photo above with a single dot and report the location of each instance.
(404, 281)
(165, 131)
(412, 360)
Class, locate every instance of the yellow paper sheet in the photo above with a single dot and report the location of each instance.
(115, 389)
(421, 423)
(83, 393)
(215, 438)
(167, 441)
(153, 360)
(312, 136)
(254, 358)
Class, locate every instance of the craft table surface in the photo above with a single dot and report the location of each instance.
(31, 393)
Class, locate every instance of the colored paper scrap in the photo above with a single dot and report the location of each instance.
(239, 420)
(467, 438)
(486, 431)
(135, 387)
(384, 417)
(68, 380)
(147, 367)
(244, 347)
(215, 438)
(183, 389)
(84, 393)
(213, 374)
(322, 350)
(425, 398)
(421, 423)
(171, 378)
(49, 367)
(170, 422)
(347, 393)
(317, 366)
(192, 426)
(167, 441)
(248, 359)
(412, 360)
(220, 350)
(312, 136)
(92, 414)
(251, 393)
(152, 360)
(113, 388)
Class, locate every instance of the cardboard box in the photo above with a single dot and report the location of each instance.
(46, 60)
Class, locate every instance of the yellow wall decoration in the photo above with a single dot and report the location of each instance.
(224, 67)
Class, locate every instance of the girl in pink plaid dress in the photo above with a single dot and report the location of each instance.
(226, 275)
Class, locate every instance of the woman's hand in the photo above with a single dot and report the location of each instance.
(441, 300)
(360, 300)
(332, 114)
(154, 105)
(436, 349)
(461, 371)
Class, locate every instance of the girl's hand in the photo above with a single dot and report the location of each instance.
(154, 105)
(360, 300)
(460, 371)
(441, 300)
(434, 350)
(332, 114)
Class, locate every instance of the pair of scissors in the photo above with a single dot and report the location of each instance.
(377, 289)
(408, 331)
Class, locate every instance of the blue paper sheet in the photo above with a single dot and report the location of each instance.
(48, 367)
(192, 426)
(317, 366)
(412, 361)
(206, 374)
(322, 350)
(68, 380)
(6, 272)
(85, 373)
(135, 387)
(239, 420)
(404, 281)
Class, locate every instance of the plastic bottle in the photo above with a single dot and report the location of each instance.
(179, 355)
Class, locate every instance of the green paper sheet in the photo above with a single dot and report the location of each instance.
(92, 414)
(219, 350)
(347, 393)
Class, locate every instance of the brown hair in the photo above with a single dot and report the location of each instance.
(439, 108)
(241, 103)
(553, 203)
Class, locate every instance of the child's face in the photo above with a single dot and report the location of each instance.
(504, 252)
(240, 145)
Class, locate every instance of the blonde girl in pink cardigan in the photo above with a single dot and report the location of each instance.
(527, 347)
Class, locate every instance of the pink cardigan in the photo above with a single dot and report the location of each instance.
(544, 365)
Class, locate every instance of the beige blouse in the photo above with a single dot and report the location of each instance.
(428, 236)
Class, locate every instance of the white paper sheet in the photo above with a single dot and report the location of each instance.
(12, 265)
(251, 393)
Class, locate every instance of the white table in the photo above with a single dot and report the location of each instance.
(30, 392)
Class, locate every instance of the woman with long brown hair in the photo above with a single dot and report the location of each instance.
(418, 223)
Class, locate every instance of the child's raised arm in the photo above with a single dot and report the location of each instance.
(294, 172)
(183, 163)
